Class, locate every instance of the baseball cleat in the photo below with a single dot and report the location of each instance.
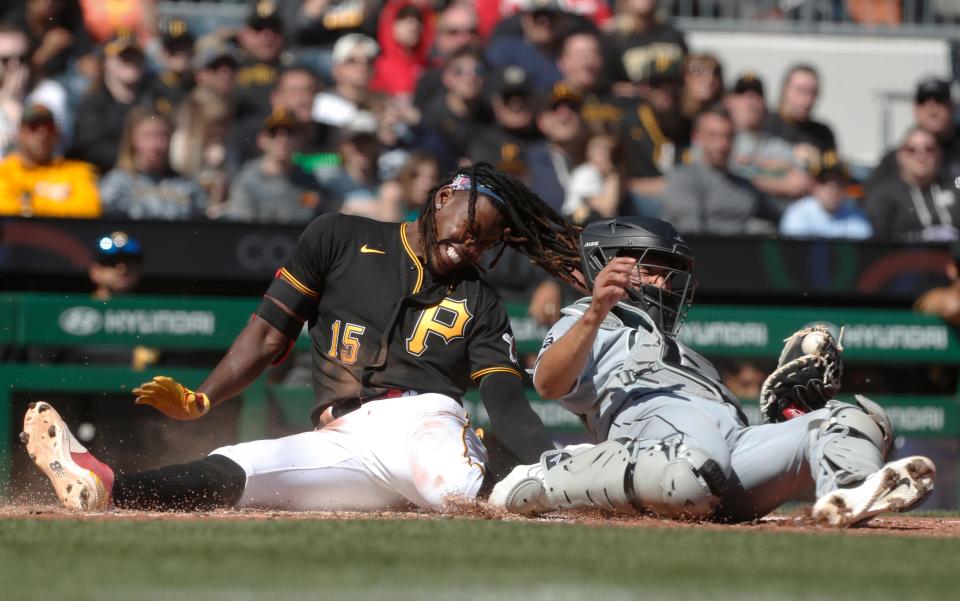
(897, 486)
(81, 481)
(522, 491)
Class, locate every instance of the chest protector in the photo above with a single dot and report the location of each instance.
(655, 363)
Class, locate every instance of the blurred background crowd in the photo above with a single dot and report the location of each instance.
(306, 106)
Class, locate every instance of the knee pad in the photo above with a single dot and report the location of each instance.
(862, 439)
(591, 477)
(671, 479)
(668, 479)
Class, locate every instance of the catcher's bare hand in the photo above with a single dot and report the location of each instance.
(611, 284)
(172, 398)
(807, 375)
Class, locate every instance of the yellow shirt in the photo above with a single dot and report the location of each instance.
(63, 188)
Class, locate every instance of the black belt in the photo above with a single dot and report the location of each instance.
(350, 405)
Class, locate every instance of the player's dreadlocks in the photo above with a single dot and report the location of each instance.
(536, 229)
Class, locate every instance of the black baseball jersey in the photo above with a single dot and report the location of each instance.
(383, 321)
(653, 148)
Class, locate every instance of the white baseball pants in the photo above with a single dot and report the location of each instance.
(389, 453)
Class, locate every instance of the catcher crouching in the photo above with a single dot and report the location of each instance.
(669, 438)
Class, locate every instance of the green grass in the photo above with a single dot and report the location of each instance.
(459, 559)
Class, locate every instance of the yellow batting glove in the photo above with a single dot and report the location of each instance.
(172, 398)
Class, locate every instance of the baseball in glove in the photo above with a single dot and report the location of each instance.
(807, 375)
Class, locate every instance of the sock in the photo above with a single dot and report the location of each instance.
(212, 482)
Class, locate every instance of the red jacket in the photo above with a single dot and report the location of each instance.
(397, 69)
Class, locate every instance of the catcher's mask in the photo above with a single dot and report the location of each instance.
(659, 249)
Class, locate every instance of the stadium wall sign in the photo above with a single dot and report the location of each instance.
(56, 253)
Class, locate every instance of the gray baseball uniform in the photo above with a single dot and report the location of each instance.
(643, 385)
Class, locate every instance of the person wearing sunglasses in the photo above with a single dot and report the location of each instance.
(917, 204)
(933, 112)
(451, 120)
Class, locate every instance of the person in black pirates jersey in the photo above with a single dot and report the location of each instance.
(401, 325)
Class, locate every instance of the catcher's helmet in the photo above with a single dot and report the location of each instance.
(656, 245)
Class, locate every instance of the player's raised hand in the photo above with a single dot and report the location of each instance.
(611, 284)
(172, 398)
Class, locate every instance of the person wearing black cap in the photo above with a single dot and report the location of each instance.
(657, 134)
(765, 159)
(638, 42)
(932, 112)
(550, 161)
(262, 43)
(513, 129)
(34, 182)
(174, 82)
(117, 265)
(101, 114)
(531, 50)
(271, 189)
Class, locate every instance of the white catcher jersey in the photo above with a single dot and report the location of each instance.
(596, 402)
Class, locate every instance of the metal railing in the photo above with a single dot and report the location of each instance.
(934, 18)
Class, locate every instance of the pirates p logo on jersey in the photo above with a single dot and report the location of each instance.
(447, 319)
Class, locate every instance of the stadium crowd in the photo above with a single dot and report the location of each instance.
(358, 106)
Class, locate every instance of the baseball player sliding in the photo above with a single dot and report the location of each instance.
(401, 324)
(670, 439)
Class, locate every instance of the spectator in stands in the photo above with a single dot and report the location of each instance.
(314, 26)
(453, 118)
(143, 185)
(198, 146)
(294, 90)
(456, 29)
(532, 48)
(580, 60)
(763, 158)
(352, 58)
(743, 379)
(597, 186)
(639, 42)
(395, 135)
(101, 114)
(828, 212)
(705, 196)
(271, 189)
(403, 197)
(261, 43)
(215, 68)
(657, 135)
(933, 112)
(57, 37)
(917, 204)
(353, 187)
(794, 119)
(21, 85)
(170, 87)
(551, 160)
(117, 266)
(944, 302)
(34, 182)
(702, 83)
(513, 129)
(405, 36)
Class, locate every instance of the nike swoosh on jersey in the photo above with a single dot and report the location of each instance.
(365, 249)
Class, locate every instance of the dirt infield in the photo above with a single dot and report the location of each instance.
(889, 525)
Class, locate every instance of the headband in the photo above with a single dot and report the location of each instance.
(462, 182)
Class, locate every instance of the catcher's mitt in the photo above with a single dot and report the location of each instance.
(807, 375)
